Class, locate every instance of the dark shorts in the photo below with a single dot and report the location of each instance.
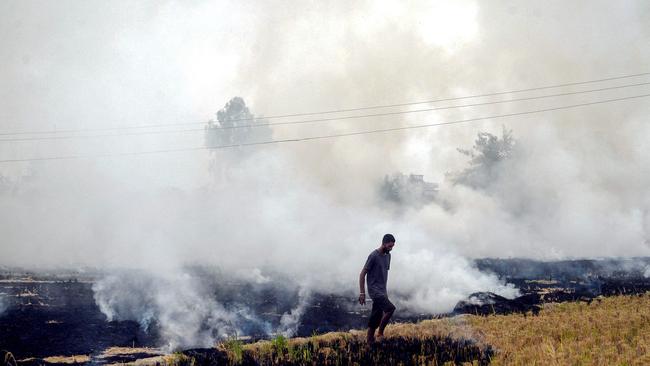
(380, 306)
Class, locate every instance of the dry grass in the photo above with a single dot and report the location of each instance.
(404, 344)
(67, 359)
(609, 331)
(116, 351)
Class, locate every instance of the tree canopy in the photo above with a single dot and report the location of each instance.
(236, 125)
(486, 157)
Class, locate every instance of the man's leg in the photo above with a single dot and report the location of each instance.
(384, 321)
(374, 321)
(389, 309)
(371, 335)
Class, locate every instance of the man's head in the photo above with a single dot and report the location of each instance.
(387, 243)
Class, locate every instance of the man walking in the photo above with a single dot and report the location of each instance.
(376, 268)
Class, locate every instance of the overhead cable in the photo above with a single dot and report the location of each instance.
(318, 120)
(331, 136)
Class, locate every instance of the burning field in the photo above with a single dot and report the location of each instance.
(585, 312)
(189, 183)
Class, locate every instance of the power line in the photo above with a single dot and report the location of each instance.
(321, 137)
(334, 110)
(325, 119)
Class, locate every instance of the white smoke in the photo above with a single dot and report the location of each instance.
(437, 281)
(290, 321)
(179, 303)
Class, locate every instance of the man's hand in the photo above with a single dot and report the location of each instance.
(362, 289)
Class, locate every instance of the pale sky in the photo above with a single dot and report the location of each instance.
(101, 64)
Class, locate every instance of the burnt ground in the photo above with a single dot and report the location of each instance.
(60, 318)
(54, 314)
(558, 281)
(48, 316)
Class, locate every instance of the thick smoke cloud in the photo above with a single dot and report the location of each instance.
(575, 188)
(187, 315)
(180, 305)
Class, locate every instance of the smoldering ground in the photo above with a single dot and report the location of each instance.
(575, 186)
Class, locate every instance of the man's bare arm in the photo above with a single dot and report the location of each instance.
(362, 286)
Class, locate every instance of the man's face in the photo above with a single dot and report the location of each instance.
(388, 246)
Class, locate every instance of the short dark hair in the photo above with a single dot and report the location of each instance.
(388, 238)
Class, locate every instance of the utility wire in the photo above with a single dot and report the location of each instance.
(334, 110)
(321, 137)
(323, 119)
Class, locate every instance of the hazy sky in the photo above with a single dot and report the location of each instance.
(95, 64)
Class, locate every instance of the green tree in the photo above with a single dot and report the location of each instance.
(486, 159)
(236, 125)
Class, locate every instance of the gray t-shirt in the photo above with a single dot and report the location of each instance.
(377, 267)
